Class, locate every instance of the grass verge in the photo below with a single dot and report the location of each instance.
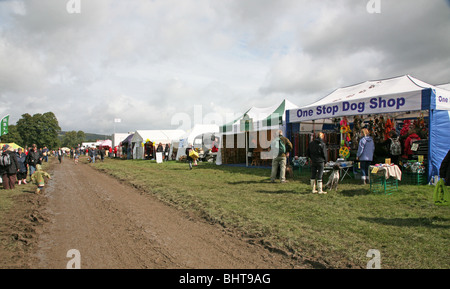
(333, 231)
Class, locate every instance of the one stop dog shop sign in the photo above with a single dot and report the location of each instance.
(371, 105)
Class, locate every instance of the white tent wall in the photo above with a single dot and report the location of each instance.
(118, 137)
(444, 86)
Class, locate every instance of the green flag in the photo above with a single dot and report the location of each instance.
(4, 125)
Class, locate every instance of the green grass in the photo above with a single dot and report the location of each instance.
(336, 229)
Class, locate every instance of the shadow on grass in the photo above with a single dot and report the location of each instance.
(410, 222)
(354, 192)
(281, 191)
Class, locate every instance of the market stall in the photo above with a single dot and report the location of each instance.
(247, 139)
(144, 141)
(418, 112)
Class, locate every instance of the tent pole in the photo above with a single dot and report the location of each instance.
(246, 148)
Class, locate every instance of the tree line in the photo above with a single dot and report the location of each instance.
(42, 130)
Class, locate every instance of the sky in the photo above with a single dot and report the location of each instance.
(169, 64)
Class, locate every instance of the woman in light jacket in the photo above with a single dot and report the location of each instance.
(365, 154)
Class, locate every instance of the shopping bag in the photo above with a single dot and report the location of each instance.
(441, 194)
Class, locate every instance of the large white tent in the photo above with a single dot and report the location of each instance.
(188, 138)
(394, 95)
(140, 137)
(444, 86)
(253, 131)
(273, 117)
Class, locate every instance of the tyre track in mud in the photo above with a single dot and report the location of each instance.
(113, 225)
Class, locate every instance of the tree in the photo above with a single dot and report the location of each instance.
(13, 136)
(73, 138)
(39, 129)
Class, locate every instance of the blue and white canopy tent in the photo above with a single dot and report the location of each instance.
(403, 94)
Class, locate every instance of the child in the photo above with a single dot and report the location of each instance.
(37, 178)
(334, 178)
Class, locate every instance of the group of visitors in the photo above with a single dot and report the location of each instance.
(15, 165)
(317, 153)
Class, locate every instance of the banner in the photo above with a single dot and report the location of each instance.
(409, 101)
(4, 125)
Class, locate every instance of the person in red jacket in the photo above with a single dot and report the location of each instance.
(408, 144)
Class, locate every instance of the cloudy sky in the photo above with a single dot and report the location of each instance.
(153, 63)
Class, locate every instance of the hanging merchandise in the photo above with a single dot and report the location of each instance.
(405, 129)
(344, 150)
(388, 127)
(357, 121)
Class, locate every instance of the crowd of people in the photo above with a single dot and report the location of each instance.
(19, 167)
(16, 166)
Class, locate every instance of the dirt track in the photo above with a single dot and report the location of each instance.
(115, 226)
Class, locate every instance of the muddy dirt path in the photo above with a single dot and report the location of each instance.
(114, 226)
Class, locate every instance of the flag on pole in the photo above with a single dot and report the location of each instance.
(117, 120)
(4, 125)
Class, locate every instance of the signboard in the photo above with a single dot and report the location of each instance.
(409, 101)
(159, 158)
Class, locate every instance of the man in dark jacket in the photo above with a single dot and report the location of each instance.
(279, 156)
(317, 152)
(444, 170)
(33, 159)
(9, 172)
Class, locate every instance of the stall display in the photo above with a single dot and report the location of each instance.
(414, 173)
(344, 151)
(384, 178)
(426, 106)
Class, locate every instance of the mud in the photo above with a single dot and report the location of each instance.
(114, 226)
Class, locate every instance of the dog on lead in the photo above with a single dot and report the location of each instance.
(333, 180)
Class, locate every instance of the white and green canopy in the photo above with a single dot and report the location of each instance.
(257, 119)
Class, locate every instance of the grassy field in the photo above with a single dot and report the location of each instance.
(334, 231)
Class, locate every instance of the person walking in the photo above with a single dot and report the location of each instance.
(317, 153)
(22, 173)
(59, 154)
(279, 148)
(9, 167)
(188, 157)
(38, 178)
(364, 154)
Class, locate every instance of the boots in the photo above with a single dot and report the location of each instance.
(363, 180)
(319, 187)
(313, 186)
